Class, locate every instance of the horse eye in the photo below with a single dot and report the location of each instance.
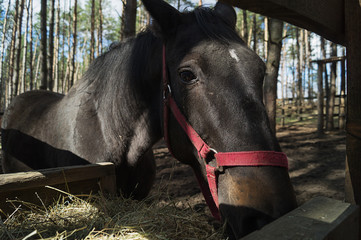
(187, 76)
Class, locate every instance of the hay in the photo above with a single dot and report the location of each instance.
(96, 217)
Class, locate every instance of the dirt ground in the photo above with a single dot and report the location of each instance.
(316, 167)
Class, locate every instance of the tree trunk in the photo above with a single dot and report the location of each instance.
(129, 18)
(56, 49)
(75, 19)
(245, 27)
(3, 82)
(283, 77)
(308, 59)
(43, 47)
(51, 45)
(265, 42)
(100, 31)
(12, 53)
(299, 51)
(33, 63)
(92, 27)
(320, 99)
(19, 21)
(254, 32)
(331, 99)
(31, 46)
(293, 85)
(273, 61)
(325, 72)
(66, 80)
(40, 61)
(23, 76)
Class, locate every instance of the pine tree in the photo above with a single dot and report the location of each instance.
(129, 18)
(51, 45)
(75, 24)
(25, 50)
(92, 28)
(3, 82)
(100, 30)
(43, 49)
(272, 66)
(17, 55)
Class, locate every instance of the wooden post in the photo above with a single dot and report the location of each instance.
(342, 114)
(353, 124)
(320, 98)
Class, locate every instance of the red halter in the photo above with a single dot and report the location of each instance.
(223, 159)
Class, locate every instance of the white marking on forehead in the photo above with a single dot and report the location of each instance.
(233, 54)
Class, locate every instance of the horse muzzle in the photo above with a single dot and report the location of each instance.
(251, 197)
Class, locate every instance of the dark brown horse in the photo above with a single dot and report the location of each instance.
(114, 113)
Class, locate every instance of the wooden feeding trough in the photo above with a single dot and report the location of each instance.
(31, 187)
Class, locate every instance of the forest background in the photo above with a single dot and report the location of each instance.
(77, 31)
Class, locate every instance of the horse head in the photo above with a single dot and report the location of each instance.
(215, 81)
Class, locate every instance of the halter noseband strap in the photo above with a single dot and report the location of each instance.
(223, 159)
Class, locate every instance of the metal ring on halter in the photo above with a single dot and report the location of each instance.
(213, 150)
(219, 169)
(165, 93)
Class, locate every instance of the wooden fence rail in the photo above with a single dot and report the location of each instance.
(288, 111)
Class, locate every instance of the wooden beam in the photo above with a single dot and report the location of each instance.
(329, 60)
(53, 176)
(353, 123)
(324, 17)
(319, 218)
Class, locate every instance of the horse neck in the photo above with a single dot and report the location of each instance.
(127, 96)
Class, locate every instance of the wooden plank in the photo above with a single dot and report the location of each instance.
(353, 122)
(40, 196)
(30, 187)
(319, 218)
(324, 17)
(53, 176)
(329, 60)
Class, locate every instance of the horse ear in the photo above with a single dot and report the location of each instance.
(227, 13)
(166, 16)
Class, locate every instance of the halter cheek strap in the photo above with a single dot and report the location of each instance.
(223, 159)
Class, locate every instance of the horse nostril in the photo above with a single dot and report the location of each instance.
(241, 221)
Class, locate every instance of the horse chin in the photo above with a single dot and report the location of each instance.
(241, 221)
(251, 197)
